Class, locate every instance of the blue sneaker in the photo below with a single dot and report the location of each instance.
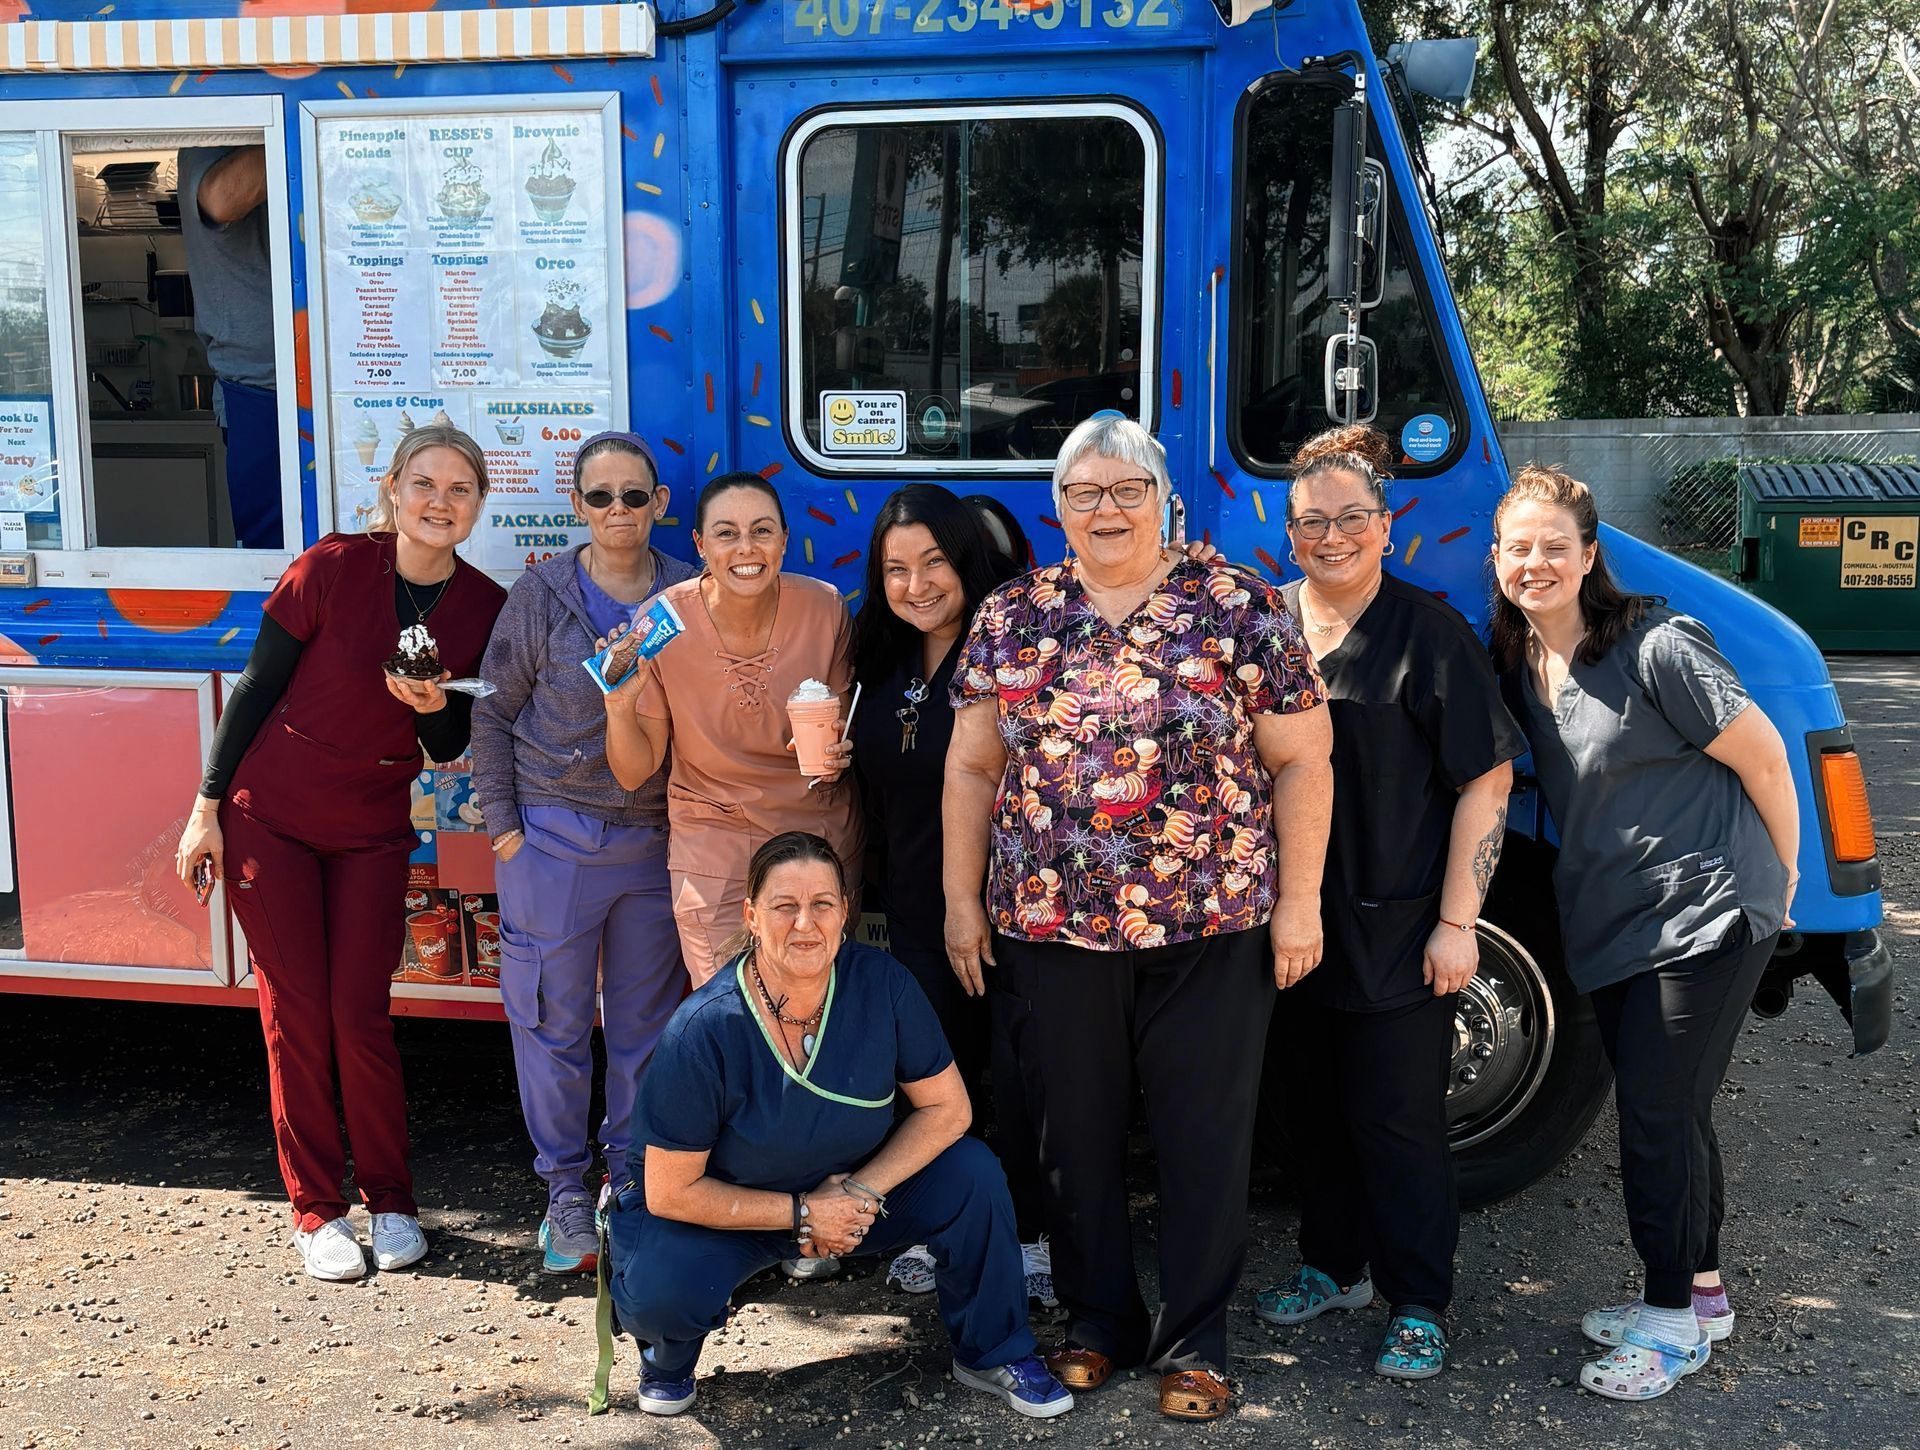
(568, 1242)
(1307, 1295)
(1415, 1349)
(662, 1396)
(1025, 1384)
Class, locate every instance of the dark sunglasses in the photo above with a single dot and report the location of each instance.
(633, 498)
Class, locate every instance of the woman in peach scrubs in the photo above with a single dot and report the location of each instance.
(712, 705)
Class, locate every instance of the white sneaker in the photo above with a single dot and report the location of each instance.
(912, 1270)
(397, 1240)
(823, 1268)
(331, 1252)
(1039, 1262)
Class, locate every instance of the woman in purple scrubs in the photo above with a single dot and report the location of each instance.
(582, 862)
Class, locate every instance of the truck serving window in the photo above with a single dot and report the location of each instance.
(1282, 317)
(145, 331)
(964, 285)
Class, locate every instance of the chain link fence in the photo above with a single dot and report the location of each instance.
(1675, 481)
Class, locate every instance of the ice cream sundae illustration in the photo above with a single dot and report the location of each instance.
(462, 197)
(550, 184)
(418, 657)
(366, 438)
(511, 433)
(561, 329)
(375, 199)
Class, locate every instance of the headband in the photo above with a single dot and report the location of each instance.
(633, 440)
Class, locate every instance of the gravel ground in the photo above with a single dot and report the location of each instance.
(148, 1295)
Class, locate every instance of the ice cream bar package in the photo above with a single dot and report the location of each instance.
(654, 627)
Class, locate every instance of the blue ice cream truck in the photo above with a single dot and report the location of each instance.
(976, 222)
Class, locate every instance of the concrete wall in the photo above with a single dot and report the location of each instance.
(1627, 461)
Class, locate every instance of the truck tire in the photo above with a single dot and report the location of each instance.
(1528, 1073)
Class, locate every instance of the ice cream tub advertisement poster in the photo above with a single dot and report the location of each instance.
(554, 159)
(563, 317)
(27, 474)
(464, 170)
(365, 427)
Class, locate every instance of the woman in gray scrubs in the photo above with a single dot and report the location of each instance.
(1678, 830)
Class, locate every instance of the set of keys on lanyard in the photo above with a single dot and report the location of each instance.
(909, 715)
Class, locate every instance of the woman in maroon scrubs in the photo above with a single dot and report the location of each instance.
(305, 811)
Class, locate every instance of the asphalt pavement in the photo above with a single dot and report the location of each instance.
(148, 1296)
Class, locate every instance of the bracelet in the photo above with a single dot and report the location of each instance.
(849, 1184)
(500, 840)
(802, 1230)
(1457, 925)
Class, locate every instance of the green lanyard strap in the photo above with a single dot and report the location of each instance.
(602, 1323)
(819, 1044)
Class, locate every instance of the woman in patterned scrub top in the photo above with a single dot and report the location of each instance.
(1139, 774)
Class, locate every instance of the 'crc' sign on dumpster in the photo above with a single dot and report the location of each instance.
(1878, 553)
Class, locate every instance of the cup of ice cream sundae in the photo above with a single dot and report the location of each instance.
(562, 331)
(375, 200)
(418, 657)
(550, 184)
(462, 196)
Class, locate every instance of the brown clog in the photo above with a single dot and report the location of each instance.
(1194, 1394)
(1078, 1368)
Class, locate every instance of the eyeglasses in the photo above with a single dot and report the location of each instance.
(1084, 498)
(633, 498)
(1314, 526)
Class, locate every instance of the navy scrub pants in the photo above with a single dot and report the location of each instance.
(671, 1281)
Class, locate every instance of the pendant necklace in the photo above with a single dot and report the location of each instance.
(1323, 630)
(909, 716)
(810, 1026)
(420, 611)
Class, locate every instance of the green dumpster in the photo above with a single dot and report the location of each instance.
(1832, 546)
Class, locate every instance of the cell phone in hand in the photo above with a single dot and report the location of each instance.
(203, 879)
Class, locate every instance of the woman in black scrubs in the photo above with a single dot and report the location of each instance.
(929, 564)
(1421, 767)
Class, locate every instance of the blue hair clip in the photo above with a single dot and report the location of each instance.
(1106, 413)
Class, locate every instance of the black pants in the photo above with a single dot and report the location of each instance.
(1669, 1033)
(1190, 1021)
(976, 1029)
(1367, 1096)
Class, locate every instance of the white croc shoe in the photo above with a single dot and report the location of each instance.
(397, 1240)
(331, 1252)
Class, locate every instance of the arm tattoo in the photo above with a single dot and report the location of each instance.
(1486, 855)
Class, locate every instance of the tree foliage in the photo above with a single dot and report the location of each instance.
(1683, 206)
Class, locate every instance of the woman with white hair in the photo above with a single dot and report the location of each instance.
(1140, 775)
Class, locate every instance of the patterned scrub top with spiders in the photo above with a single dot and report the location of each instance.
(1134, 811)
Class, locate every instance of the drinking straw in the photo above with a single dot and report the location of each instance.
(852, 705)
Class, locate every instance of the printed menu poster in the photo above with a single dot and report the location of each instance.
(27, 482)
(468, 280)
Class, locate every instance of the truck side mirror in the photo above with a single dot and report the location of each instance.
(1347, 191)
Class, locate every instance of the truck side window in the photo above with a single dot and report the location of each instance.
(1282, 317)
(988, 268)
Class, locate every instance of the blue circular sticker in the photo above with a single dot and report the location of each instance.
(1425, 438)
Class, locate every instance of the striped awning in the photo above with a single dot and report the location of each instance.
(551, 32)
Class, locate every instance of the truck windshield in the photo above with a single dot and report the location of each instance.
(988, 269)
(1283, 318)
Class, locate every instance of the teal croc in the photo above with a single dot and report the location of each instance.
(1642, 1368)
(1308, 1294)
(1415, 1349)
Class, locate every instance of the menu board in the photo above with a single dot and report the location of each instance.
(468, 277)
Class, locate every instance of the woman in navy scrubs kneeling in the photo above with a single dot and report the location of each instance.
(767, 1115)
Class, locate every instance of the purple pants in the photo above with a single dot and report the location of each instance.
(584, 902)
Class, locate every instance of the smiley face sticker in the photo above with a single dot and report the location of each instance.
(863, 423)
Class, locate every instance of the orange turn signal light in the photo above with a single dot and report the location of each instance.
(1848, 814)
